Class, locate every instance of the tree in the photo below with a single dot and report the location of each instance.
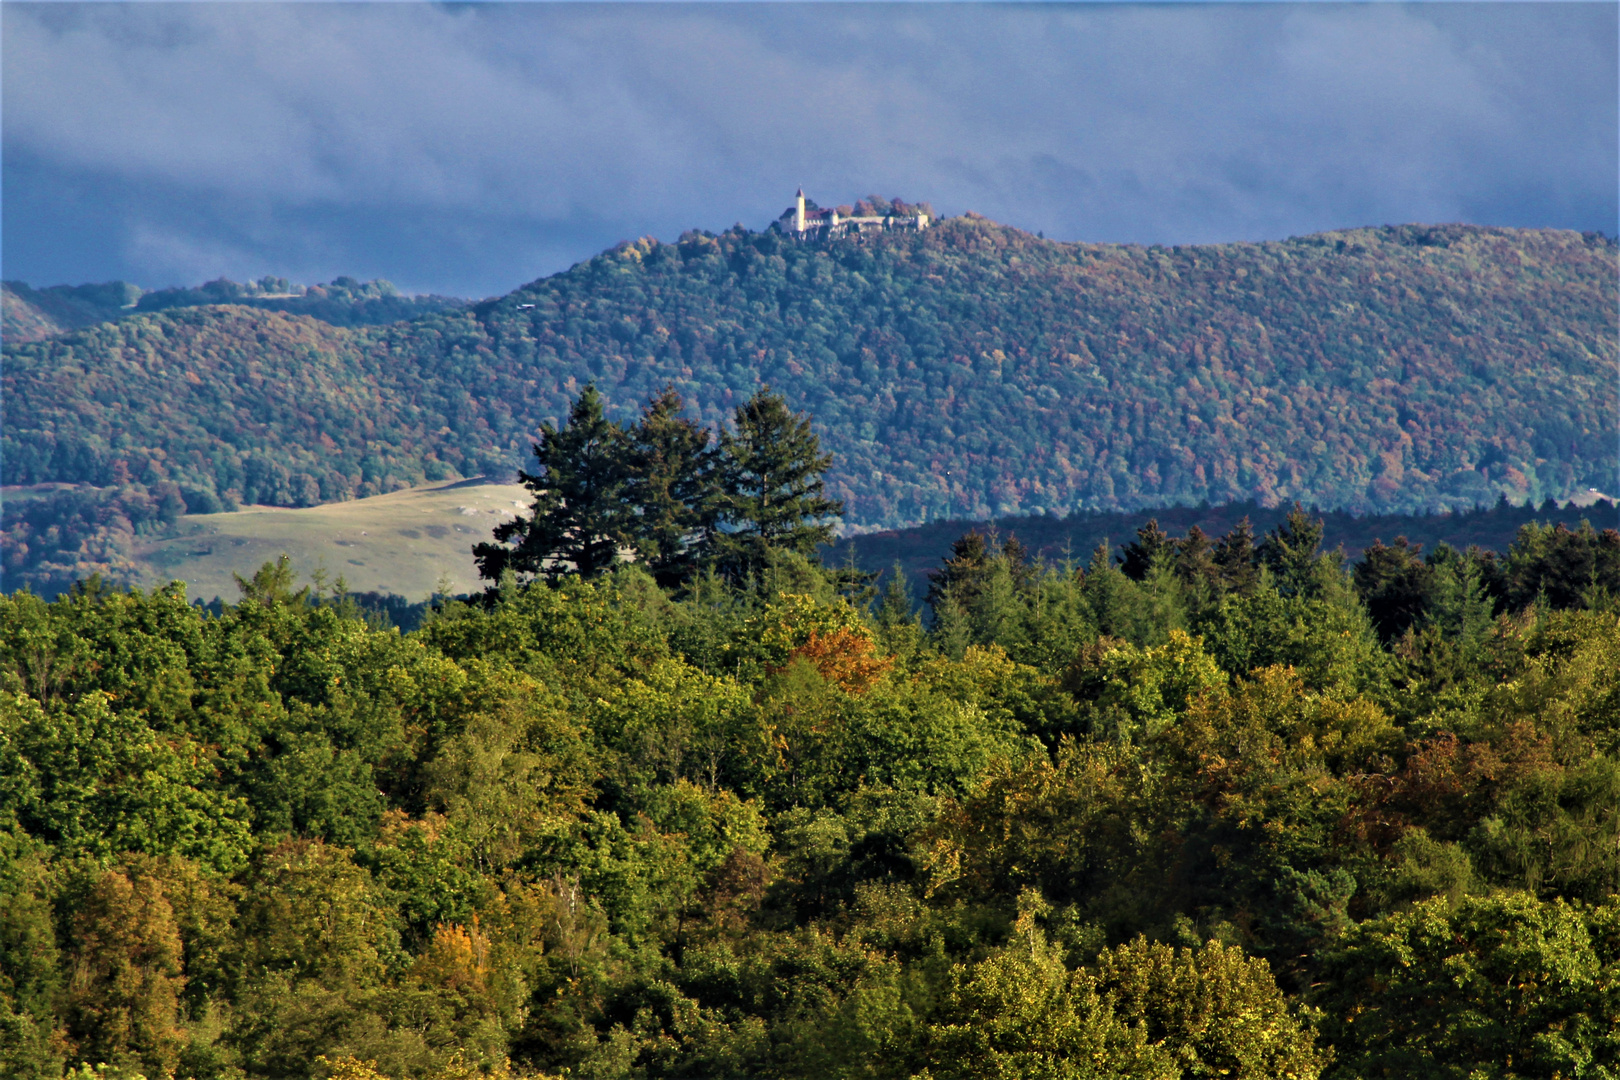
(1216, 1011)
(671, 486)
(898, 628)
(1396, 585)
(1151, 543)
(964, 570)
(1292, 551)
(1021, 1013)
(580, 515)
(1495, 987)
(1235, 558)
(1195, 564)
(976, 567)
(124, 1000)
(771, 470)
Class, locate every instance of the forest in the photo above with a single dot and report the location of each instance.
(968, 371)
(34, 314)
(1196, 806)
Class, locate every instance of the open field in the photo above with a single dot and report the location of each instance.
(401, 543)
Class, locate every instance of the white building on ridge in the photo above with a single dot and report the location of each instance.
(814, 223)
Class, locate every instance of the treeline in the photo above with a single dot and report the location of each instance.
(967, 371)
(343, 301)
(32, 314)
(290, 387)
(1214, 806)
(1054, 538)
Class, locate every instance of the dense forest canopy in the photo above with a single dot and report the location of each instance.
(33, 314)
(1217, 805)
(968, 370)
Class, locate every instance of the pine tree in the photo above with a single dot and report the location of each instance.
(964, 570)
(1291, 552)
(580, 513)
(771, 477)
(1197, 571)
(1137, 557)
(1235, 557)
(672, 487)
(898, 628)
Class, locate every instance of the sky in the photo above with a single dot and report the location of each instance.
(466, 149)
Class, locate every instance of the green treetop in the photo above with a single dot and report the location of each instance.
(580, 517)
(771, 475)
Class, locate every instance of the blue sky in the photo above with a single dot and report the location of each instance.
(466, 149)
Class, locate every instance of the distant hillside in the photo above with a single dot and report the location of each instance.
(970, 370)
(33, 314)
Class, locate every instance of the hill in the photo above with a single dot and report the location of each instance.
(34, 314)
(406, 544)
(967, 371)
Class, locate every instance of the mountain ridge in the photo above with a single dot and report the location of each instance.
(31, 314)
(972, 370)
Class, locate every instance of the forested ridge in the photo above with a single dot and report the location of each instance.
(31, 314)
(1204, 806)
(968, 370)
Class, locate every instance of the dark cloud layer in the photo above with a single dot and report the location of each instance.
(466, 149)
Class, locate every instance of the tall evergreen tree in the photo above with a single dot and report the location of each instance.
(964, 570)
(771, 477)
(1195, 557)
(671, 485)
(1137, 557)
(1236, 559)
(580, 513)
(1292, 550)
(1396, 585)
(898, 628)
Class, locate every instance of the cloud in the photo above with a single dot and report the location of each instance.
(473, 147)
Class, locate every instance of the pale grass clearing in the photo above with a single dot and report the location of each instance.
(405, 542)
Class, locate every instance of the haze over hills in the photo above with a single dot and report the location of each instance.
(34, 314)
(965, 371)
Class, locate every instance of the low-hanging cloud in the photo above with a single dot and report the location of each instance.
(468, 148)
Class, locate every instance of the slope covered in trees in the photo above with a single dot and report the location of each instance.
(964, 371)
(1220, 807)
(33, 314)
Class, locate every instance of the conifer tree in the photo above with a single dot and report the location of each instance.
(1235, 558)
(771, 476)
(1396, 585)
(1197, 570)
(671, 486)
(1292, 550)
(963, 571)
(580, 516)
(898, 628)
(894, 609)
(1136, 558)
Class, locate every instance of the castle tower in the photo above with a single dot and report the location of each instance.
(798, 213)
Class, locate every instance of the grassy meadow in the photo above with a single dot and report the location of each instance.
(404, 542)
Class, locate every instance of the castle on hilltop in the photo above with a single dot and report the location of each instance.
(806, 220)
